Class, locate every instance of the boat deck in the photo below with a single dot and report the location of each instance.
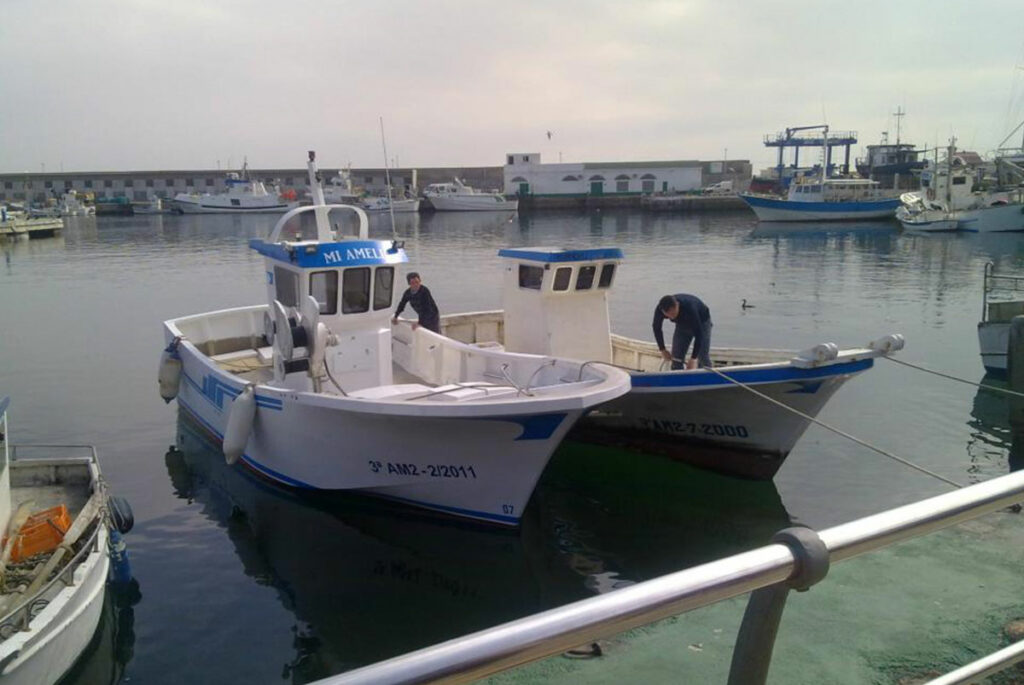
(49, 485)
(256, 365)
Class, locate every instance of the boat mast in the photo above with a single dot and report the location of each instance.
(387, 179)
(316, 192)
(949, 173)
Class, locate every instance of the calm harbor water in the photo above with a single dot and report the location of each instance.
(239, 581)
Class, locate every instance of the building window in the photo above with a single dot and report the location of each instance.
(383, 286)
(585, 279)
(48, 184)
(526, 158)
(530, 276)
(67, 185)
(570, 178)
(288, 181)
(647, 187)
(189, 182)
(107, 183)
(511, 159)
(149, 183)
(8, 185)
(209, 183)
(323, 286)
(286, 287)
(368, 179)
(128, 183)
(355, 291)
(562, 276)
(597, 177)
(622, 186)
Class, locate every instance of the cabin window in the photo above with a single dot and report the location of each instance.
(286, 285)
(959, 180)
(355, 291)
(323, 286)
(562, 277)
(236, 203)
(585, 278)
(530, 276)
(383, 287)
(607, 273)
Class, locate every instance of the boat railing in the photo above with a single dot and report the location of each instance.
(21, 616)
(798, 558)
(994, 281)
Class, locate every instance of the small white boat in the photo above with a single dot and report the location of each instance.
(243, 195)
(384, 204)
(315, 390)
(153, 205)
(917, 213)
(339, 189)
(71, 205)
(46, 625)
(1002, 299)
(555, 302)
(458, 197)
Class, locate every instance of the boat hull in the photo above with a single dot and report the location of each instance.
(998, 219)
(743, 434)
(993, 341)
(482, 466)
(212, 206)
(770, 209)
(473, 203)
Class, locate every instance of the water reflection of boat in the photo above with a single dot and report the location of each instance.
(777, 228)
(990, 435)
(113, 645)
(370, 581)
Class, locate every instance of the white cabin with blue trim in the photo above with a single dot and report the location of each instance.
(556, 301)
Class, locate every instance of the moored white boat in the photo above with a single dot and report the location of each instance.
(153, 205)
(1002, 299)
(242, 196)
(339, 189)
(458, 197)
(563, 294)
(314, 389)
(45, 627)
(917, 213)
(384, 204)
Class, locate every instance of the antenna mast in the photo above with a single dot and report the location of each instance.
(387, 178)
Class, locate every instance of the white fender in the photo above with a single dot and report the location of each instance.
(169, 375)
(240, 420)
(819, 354)
(893, 342)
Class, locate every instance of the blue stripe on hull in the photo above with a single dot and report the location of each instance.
(789, 374)
(830, 207)
(267, 472)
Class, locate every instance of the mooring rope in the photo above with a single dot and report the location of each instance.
(959, 380)
(836, 430)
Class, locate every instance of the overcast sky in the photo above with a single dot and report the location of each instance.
(190, 84)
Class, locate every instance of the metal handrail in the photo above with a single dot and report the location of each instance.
(552, 632)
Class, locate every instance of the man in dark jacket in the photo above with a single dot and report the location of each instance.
(422, 302)
(693, 324)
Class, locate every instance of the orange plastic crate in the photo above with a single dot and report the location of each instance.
(42, 532)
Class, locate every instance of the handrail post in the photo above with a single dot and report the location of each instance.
(755, 641)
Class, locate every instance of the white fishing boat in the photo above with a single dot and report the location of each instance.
(153, 205)
(555, 303)
(243, 195)
(339, 189)
(919, 213)
(1002, 299)
(71, 205)
(398, 205)
(458, 197)
(52, 602)
(316, 391)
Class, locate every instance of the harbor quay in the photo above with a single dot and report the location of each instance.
(645, 184)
